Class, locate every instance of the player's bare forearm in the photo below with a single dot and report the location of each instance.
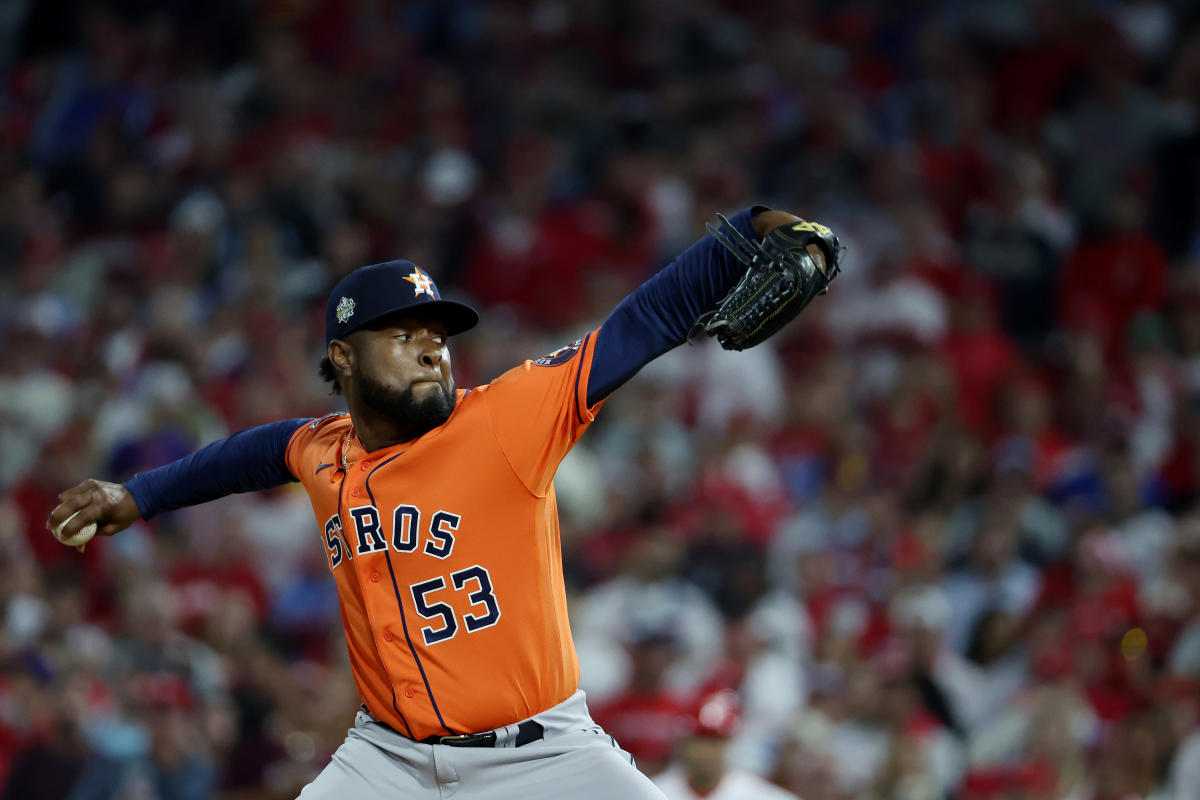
(769, 219)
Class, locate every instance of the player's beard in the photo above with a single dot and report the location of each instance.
(421, 415)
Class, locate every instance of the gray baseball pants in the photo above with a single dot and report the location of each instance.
(575, 759)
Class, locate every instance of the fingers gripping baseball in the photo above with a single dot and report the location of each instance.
(108, 506)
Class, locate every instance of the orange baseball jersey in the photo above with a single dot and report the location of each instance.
(445, 549)
(446, 554)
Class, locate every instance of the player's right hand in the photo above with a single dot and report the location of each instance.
(109, 505)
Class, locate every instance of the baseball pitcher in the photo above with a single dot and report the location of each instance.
(435, 508)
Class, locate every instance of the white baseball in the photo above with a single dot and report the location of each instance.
(82, 537)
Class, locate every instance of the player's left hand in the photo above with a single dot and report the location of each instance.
(766, 221)
(109, 505)
(795, 262)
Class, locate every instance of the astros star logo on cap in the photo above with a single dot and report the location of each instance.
(421, 283)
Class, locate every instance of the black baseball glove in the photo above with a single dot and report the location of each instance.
(781, 279)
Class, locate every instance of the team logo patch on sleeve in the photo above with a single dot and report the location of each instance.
(560, 356)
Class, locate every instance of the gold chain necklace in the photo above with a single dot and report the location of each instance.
(346, 450)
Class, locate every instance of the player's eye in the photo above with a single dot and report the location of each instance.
(439, 339)
(404, 337)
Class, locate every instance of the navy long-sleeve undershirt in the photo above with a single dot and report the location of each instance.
(657, 316)
(653, 319)
(247, 461)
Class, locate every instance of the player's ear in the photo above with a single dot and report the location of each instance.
(342, 357)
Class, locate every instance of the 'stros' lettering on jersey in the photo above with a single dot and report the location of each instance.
(406, 536)
(335, 542)
(436, 539)
(369, 529)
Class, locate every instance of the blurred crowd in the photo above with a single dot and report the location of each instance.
(941, 535)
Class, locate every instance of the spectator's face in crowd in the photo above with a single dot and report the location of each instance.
(994, 634)
(1185, 563)
(704, 759)
(650, 658)
(994, 545)
(863, 694)
(655, 557)
(807, 770)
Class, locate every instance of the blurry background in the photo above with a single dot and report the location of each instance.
(941, 534)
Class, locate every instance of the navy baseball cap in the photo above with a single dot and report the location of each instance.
(377, 290)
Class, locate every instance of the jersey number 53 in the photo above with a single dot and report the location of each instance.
(481, 598)
(439, 543)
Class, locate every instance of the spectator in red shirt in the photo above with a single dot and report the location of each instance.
(646, 718)
(1113, 275)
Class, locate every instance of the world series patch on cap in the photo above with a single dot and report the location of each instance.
(378, 290)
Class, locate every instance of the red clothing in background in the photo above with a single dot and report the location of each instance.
(541, 266)
(982, 360)
(1107, 281)
(646, 723)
